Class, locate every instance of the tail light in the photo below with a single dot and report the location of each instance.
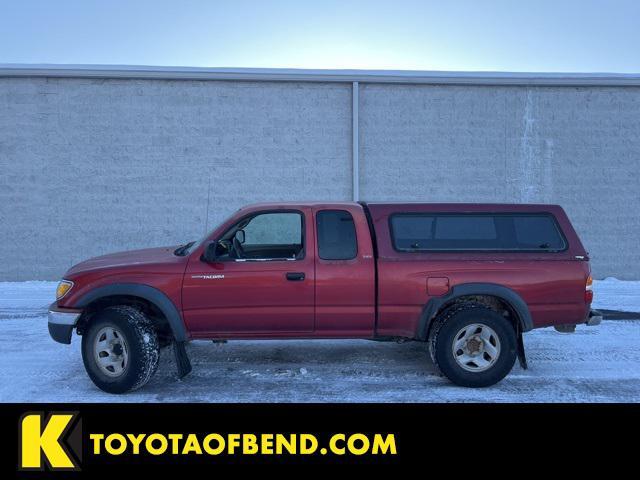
(588, 290)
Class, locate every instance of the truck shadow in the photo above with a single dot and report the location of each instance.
(273, 359)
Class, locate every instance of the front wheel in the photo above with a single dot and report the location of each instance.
(120, 349)
(473, 346)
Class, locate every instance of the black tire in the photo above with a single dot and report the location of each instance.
(446, 331)
(138, 341)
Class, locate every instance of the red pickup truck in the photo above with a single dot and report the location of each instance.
(468, 279)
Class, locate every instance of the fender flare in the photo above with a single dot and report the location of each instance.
(507, 295)
(151, 294)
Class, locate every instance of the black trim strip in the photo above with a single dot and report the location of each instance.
(374, 244)
(505, 294)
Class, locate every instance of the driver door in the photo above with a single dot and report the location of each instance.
(262, 286)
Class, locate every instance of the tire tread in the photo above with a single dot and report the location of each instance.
(144, 346)
(439, 346)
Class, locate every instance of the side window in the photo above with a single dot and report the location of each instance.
(537, 231)
(274, 229)
(465, 228)
(336, 235)
(476, 232)
(265, 236)
(444, 232)
(412, 231)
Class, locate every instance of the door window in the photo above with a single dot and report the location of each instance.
(265, 236)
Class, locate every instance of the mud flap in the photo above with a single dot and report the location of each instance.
(522, 359)
(182, 359)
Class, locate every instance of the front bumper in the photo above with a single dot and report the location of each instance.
(62, 321)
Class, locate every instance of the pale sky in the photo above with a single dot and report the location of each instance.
(472, 35)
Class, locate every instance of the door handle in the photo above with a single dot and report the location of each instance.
(295, 276)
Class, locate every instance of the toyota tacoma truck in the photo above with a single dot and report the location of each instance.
(466, 279)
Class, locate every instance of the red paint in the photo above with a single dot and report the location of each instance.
(338, 298)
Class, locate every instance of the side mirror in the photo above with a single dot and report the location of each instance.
(209, 254)
(239, 235)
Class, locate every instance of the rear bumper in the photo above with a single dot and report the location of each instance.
(594, 318)
(62, 321)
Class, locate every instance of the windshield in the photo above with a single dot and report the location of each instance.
(187, 248)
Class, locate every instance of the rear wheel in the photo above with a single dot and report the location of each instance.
(120, 349)
(472, 345)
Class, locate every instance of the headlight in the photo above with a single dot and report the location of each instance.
(63, 287)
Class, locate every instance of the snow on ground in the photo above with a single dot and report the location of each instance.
(595, 364)
(614, 294)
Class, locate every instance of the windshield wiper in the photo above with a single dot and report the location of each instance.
(181, 250)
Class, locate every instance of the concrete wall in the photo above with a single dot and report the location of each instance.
(578, 147)
(93, 166)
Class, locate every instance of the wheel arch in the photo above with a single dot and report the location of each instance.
(506, 295)
(109, 294)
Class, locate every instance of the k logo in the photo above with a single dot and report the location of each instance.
(54, 441)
